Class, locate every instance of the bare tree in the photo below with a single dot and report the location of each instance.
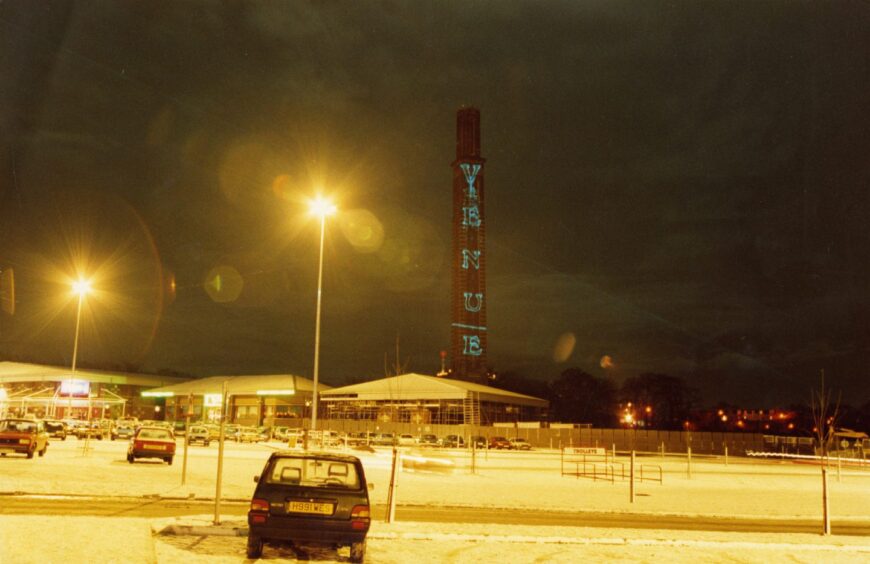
(825, 414)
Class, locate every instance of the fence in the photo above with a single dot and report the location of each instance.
(623, 440)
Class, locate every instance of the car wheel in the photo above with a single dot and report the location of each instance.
(45, 448)
(130, 458)
(169, 461)
(206, 443)
(63, 437)
(29, 454)
(358, 551)
(255, 547)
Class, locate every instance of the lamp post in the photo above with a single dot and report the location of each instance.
(321, 208)
(81, 288)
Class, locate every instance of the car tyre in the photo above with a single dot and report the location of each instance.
(29, 454)
(206, 443)
(45, 448)
(130, 458)
(358, 551)
(255, 547)
(169, 461)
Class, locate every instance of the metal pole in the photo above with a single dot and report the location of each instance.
(186, 438)
(220, 467)
(826, 530)
(391, 494)
(317, 324)
(631, 480)
(726, 455)
(689, 463)
(75, 352)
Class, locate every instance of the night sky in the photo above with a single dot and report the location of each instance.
(681, 187)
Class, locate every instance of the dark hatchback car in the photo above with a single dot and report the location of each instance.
(310, 498)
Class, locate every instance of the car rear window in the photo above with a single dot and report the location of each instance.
(313, 472)
(155, 434)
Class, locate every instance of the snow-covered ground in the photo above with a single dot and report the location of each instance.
(510, 480)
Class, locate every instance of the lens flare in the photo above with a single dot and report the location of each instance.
(223, 284)
(362, 230)
(564, 347)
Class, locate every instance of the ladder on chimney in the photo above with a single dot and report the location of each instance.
(471, 409)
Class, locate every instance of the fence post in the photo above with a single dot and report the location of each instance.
(631, 480)
(826, 526)
(689, 463)
(726, 455)
(838, 466)
(663, 450)
(613, 451)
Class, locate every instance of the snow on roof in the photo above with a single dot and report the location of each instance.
(418, 386)
(24, 372)
(243, 385)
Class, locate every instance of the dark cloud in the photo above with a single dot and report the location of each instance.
(681, 187)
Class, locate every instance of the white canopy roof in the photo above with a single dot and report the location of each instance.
(14, 372)
(421, 387)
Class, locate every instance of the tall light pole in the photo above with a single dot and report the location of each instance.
(82, 288)
(321, 208)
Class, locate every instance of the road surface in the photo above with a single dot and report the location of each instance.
(154, 507)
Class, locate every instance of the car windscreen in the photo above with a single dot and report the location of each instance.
(313, 472)
(18, 426)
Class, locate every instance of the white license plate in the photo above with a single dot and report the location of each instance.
(155, 447)
(309, 507)
(7, 450)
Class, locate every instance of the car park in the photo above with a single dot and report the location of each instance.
(23, 436)
(310, 498)
(519, 443)
(152, 442)
(499, 443)
(55, 429)
(198, 434)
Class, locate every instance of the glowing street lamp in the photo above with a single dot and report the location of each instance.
(321, 208)
(81, 288)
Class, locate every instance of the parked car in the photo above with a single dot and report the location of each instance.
(428, 441)
(248, 435)
(98, 429)
(306, 498)
(453, 441)
(56, 429)
(280, 433)
(499, 443)
(478, 441)
(383, 439)
(198, 434)
(123, 430)
(407, 440)
(519, 443)
(152, 442)
(23, 436)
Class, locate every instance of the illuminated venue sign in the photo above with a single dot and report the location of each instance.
(75, 388)
(468, 327)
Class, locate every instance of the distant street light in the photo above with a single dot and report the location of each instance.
(321, 208)
(82, 288)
